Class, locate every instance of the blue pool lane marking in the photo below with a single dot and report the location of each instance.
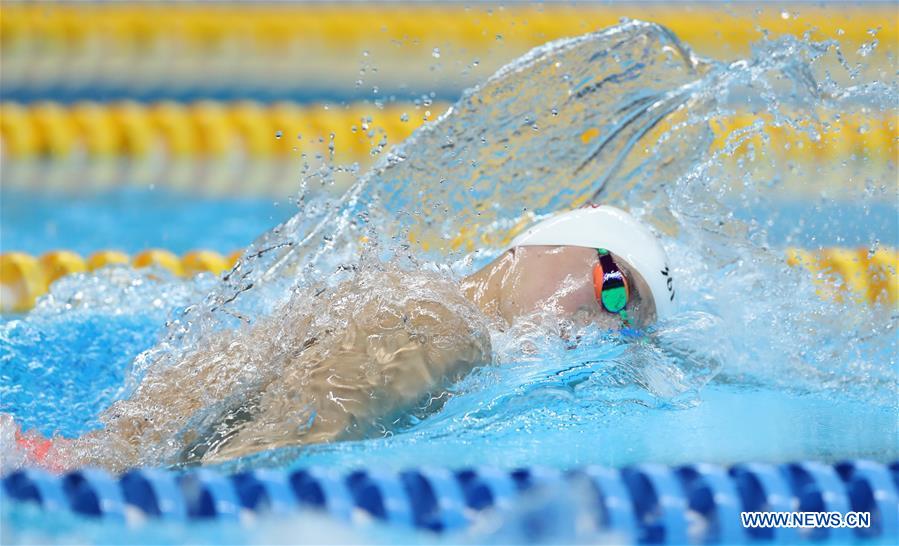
(210, 495)
(649, 503)
(38, 486)
(871, 489)
(763, 488)
(819, 489)
(382, 495)
(449, 498)
(615, 501)
(660, 503)
(486, 487)
(712, 493)
(154, 492)
(336, 497)
(265, 491)
(95, 493)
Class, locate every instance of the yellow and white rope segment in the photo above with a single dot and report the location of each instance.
(250, 129)
(840, 272)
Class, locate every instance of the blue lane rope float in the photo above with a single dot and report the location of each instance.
(762, 487)
(649, 503)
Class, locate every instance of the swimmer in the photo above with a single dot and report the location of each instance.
(346, 362)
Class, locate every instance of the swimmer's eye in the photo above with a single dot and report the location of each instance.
(610, 285)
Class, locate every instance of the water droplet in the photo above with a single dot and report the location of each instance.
(279, 134)
(499, 37)
(404, 117)
(873, 249)
(867, 48)
(555, 112)
(784, 14)
(436, 53)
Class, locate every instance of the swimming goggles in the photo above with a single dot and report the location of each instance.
(610, 286)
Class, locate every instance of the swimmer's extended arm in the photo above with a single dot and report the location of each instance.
(287, 381)
(352, 384)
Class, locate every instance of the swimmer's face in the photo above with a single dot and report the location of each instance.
(560, 279)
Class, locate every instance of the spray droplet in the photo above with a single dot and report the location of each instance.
(436, 53)
(784, 14)
(279, 134)
(404, 117)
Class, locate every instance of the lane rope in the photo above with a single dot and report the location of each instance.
(648, 504)
(251, 129)
(839, 273)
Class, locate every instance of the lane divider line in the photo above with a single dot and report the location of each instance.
(840, 273)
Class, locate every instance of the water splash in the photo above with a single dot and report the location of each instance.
(625, 117)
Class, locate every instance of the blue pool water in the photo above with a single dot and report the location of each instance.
(131, 220)
(754, 366)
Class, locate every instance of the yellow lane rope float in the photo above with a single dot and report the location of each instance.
(839, 272)
(204, 128)
(216, 130)
(24, 278)
(135, 27)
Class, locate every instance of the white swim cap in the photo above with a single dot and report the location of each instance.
(616, 231)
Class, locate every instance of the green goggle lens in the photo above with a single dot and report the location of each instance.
(610, 285)
(614, 299)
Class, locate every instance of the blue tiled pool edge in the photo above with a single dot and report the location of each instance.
(648, 503)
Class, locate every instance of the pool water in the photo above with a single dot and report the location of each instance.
(132, 219)
(754, 366)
